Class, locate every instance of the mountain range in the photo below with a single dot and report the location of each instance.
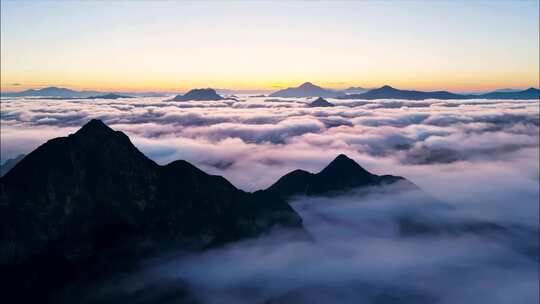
(68, 93)
(92, 197)
(388, 92)
(90, 205)
(308, 89)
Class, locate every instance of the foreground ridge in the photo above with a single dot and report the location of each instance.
(93, 196)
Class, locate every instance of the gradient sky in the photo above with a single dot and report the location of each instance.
(138, 46)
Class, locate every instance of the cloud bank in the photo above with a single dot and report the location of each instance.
(270, 137)
(373, 246)
(478, 243)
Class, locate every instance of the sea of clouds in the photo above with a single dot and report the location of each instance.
(477, 161)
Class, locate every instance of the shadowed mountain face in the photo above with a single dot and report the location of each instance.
(341, 175)
(388, 92)
(199, 94)
(320, 102)
(9, 164)
(307, 89)
(93, 194)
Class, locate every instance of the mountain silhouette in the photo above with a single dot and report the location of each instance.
(51, 92)
(388, 92)
(96, 178)
(109, 96)
(530, 93)
(64, 93)
(92, 196)
(354, 90)
(320, 102)
(199, 94)
(341, 175)
(306, 89)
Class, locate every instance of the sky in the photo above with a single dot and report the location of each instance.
(174, 46)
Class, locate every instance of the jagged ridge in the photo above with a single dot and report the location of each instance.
(341, 175)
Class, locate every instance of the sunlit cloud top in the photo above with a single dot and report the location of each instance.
(459, 46)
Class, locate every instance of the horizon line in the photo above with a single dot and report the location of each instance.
(18, 88)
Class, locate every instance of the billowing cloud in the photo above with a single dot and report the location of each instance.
(271, 136)
(369, 246)
(476, 242)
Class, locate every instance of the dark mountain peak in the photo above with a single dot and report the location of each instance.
(342, 158)
(343, 165)
(532, 90)
(387, 88)
(199, 94)
(320, 102)
(94, 127)
(93, 196)
(204, 90)
(340, 175)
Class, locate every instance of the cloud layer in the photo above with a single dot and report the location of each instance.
(477, 244)
(373, 246)
(271, 136)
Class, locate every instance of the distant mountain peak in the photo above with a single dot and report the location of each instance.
(386, 87)
(308, 84)
(199, 95)
(108, 96)
(307, 89)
